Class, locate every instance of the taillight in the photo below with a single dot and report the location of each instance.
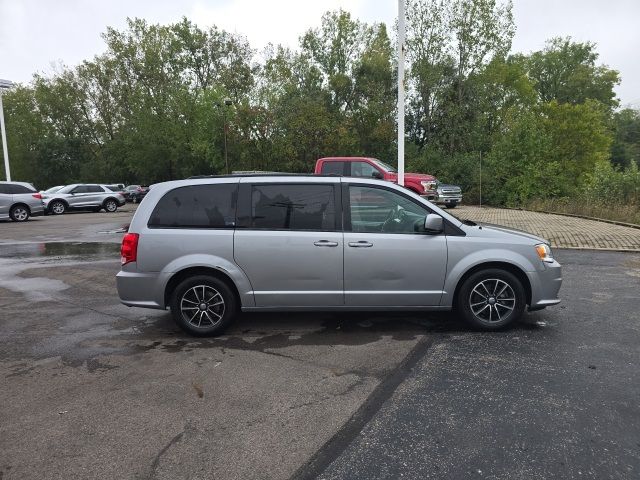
(37, 195)
(129, 248)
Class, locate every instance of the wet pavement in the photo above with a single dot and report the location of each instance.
(93, 389)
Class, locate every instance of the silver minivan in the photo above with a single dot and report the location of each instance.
(211, 247)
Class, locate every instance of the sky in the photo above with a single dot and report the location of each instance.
(37, 35)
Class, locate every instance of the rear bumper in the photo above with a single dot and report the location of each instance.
(545, 286)
(36, 210)
(141, 289)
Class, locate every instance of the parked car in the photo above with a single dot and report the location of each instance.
(420, 183)
(448, 195)
(208, 248)
(135, 193)
(83, 197)
(19, 201)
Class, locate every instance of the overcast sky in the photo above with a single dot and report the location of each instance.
(35, 34)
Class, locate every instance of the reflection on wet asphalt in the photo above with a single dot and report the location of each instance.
(53, 249)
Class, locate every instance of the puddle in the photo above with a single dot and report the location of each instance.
(56, 249)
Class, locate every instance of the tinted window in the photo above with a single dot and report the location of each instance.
(80, 189)
(95, 188)
(362, 169)
(383, 211)
(17, 189)
(333, 168)
(4, 189)
(293, 207)
(197, 206)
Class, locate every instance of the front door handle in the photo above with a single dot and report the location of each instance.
(361, 244)
(325, 243)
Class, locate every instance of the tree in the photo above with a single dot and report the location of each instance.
(566, 71)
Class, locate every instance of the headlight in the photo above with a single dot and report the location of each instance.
(544, 252)
(428, 185)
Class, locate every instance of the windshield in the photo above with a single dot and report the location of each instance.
(54, 189)
(66, 189)
(385, 166)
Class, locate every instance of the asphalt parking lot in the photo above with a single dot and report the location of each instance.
(93, 389)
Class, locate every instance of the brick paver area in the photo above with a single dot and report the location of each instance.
(561, 231)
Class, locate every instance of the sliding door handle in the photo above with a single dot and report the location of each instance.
(361, 244)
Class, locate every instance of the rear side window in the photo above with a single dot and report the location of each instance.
(363, 169)
(293, 207)
(197, 206)
(95, 189)
(4, 189)
(333, 168)
(16, 189)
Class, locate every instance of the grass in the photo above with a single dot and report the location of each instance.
(628, 213)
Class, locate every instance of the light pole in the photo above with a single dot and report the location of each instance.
(401, 36)
(4, 84)
(227, 102)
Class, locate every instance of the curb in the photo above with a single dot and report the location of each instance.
(599, 249)
(595, 219)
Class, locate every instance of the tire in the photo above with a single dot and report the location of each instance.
(212, 321)
(477, 294)
(19, 213)
(110, 205)
(450, 205)
(97, 209)
(57, 207)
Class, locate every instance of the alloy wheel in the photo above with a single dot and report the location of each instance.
(111, 206)
(492, 300)
(57, 208)
(202, 306)
(20, 214)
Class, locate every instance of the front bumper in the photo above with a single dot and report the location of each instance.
(545, 285)
(432, 197)
(449, 199)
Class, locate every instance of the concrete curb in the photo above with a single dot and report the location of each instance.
(595, 219)
(599, 249)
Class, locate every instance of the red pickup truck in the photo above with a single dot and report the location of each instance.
(420, 183)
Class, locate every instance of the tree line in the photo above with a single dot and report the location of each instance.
(152, 107)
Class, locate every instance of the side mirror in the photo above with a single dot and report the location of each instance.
(433, 224)
(377, 174)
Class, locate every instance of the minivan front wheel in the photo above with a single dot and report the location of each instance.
(491, 299)
(203, 305)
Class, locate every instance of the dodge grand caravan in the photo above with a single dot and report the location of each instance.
(210, 247)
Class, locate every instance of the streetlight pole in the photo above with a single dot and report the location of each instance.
(401, 40)
(3, 85)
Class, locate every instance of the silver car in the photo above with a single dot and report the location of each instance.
(19, 201)
(208, 248)
(83, 197)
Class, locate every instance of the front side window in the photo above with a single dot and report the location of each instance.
(363, 169)
(197, 206)
(377, 210)
(293, 207)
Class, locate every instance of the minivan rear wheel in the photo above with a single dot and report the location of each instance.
(491, 299)
(203, 305)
